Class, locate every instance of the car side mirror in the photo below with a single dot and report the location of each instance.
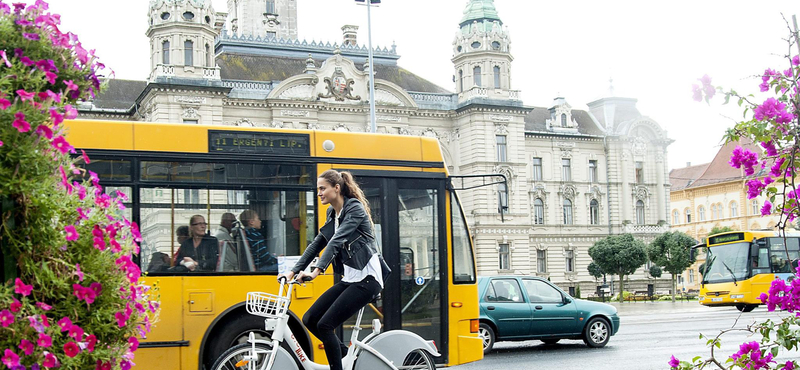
(567, 300)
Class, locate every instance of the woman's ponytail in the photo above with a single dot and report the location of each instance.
(351, 189)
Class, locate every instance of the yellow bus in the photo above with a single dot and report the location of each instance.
(740, 265)
(171, 172)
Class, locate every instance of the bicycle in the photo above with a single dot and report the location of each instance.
(391, 350)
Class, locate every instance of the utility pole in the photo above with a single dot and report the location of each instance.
(372, 125)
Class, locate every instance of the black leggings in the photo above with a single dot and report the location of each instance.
(331, 310)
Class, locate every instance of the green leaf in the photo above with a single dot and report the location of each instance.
(774, 351)
(696, 358)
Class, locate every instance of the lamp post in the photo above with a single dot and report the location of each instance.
(369, 4)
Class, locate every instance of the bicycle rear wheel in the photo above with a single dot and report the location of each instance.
(228, 359)
(418, 359)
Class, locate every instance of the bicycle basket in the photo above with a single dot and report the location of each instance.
(266, 305)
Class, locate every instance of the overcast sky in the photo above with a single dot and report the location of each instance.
(653, 51)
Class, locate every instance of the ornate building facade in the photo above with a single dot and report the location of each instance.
(575, 176)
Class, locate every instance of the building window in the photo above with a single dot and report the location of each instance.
(187, 53)
(567, 212)
(563, 120)
(272, 35)
(496, 77)
(593, 171)
(688, 215)
(460, 80)
(165, 52)
(537, 169)
(570, 261)
(639, 172)
(504, 258)
(271, 7)
(541, 261)
(191, 121)
(676, 218)
(476, 76)
(691, 276)
(208, 56)
(538, 212)
(720, 210)
(755, 210)
(734, 209)
(639, 212)
(594, 212)
(502, 148)
(566, 169)
(701, 213)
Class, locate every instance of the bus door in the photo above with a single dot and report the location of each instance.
(410, 225)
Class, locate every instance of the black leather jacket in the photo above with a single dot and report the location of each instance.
(352, 243)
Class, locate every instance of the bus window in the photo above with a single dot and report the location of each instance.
(778, 259)
(761, 262)
(463, 263)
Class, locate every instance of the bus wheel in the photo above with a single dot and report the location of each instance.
(746, 307)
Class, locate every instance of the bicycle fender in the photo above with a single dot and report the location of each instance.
(283, 359)
(395, 345)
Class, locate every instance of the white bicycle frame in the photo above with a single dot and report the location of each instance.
(281, 332)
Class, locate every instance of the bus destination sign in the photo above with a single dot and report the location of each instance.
(250, 142)
(727, 238)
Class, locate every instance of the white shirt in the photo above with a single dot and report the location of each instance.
(373, 267)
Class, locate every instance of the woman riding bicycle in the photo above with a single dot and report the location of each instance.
(350, 245)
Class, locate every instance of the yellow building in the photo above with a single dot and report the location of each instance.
(713, 195)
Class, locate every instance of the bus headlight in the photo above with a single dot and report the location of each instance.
(700, 298)
(734, 296)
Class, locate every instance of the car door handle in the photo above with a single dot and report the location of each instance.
(490, 308)
(538, 307)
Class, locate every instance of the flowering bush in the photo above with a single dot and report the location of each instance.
(73, 301)
(774, 124)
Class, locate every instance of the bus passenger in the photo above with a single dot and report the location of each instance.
(350, 245)
(262, 258)
(199, 252)
(159, 262)
(181, 234)
(231, 262)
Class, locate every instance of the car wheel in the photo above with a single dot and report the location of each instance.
(486, 334)
(550, 342)
(746, 307)
(596, 333)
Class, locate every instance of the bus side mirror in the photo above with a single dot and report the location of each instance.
(754, 250)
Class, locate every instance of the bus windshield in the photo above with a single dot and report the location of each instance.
(726, 263)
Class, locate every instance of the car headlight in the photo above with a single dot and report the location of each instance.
(734, 296)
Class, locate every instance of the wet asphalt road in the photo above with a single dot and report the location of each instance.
(649, 334)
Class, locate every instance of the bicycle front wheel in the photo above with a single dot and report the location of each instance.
(228, 359)
(418, 359)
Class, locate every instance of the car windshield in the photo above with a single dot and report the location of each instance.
(726, 263)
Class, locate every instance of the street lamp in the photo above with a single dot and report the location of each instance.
(369, 4)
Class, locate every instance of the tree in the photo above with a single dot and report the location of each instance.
(69, 293)
(671, 251)
(718, 230)
(595, 271)
(620, 255)
(655, 271)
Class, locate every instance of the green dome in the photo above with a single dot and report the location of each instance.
(482, 11)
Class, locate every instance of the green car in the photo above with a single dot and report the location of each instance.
(527, 307)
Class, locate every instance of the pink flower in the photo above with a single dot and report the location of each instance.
(65, 323)
(673, 362)
(44, 306)
(26, 346)
(25, 96)
(5, 58)
(55, 116)
(769, 146)
(44, 340)
(62, 145)
(72, 234)
(51, 77)
(71, 349)
(76, 332)
(71, 86)
(70, 112)
(789, 364)
(4, 104)
(697, 93)
(82, 215)
(124, 365)
(99, 243)
(15, 306)
(121, 318)
(10, 359)
(20, 123)
(766, 210)
(96, 288)
(21, 288)
(103, 365)
(134, 343)
(78, 272)
(50, 360)
(85, 157)
(43, 130)
(6, 318)
(91, 340)
(796, 60)
(744, 158)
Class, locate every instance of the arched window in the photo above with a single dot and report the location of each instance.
(640, 212)
(567, 212)
(755, 209)
(563, 120)
(734, 209)
(209, 56)
(701, 213)
(676, 217)
(496, 77)
(460, 80)
(538, 212)
(476, 76)
(720, 210)
(165, 52)
(714, 213)
(688, 215)
(594, 212)
(187, 53)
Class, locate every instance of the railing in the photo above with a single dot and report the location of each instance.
(644, 229)
(211, 72)
(320, 46)
(247, 85)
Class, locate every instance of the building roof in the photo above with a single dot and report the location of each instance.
(681, 178)
(119, 94)
(276, 68)
(536, 122)
(718, 171)
(481, 11)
